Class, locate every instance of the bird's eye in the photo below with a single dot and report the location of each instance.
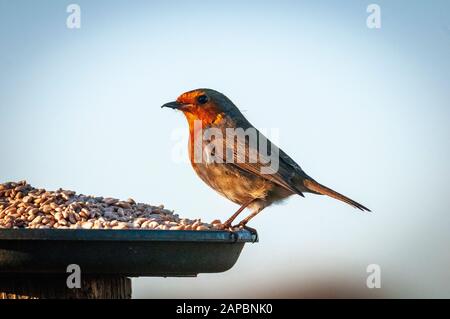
(202, 99)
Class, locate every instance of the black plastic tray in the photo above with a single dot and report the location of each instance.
(120, 252)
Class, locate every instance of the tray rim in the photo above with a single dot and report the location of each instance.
(128, 235)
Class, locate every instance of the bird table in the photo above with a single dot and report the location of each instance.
(78, 263)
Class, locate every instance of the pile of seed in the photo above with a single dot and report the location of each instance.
(23, 206)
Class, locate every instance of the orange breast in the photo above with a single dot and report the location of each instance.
(207, 117)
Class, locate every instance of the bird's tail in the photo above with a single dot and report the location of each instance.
(315, 187)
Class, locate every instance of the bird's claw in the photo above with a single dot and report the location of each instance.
(244, 226)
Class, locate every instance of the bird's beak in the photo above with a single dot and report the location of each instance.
(173, 105)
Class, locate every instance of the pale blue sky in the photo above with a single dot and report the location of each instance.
(363, 111)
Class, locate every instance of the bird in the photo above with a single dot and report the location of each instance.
(233, 172)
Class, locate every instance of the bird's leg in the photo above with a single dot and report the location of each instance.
(227, 224)
(244, 222)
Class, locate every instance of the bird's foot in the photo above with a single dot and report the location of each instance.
(242, 225)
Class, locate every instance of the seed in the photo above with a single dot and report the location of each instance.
(185, 221)
(47, 209)
(124, 205)
(47, 201)
(153, 225)
(87, 225)
(63, 222)
(121, 226)
(37, 220)
(11, 211)
(75, 206)
(97, 225)
(20, 188)
(171, 224)
(65, 196)
(155, 216)
(141, 220)
(84, 213)
(110, 201)
(21, 205)
(72, 218)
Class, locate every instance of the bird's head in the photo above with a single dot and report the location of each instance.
(206, 105)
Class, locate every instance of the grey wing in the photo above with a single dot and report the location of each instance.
(256, 159)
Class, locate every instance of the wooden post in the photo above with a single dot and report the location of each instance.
(55, 287)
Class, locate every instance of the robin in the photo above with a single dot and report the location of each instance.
(234, 173)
